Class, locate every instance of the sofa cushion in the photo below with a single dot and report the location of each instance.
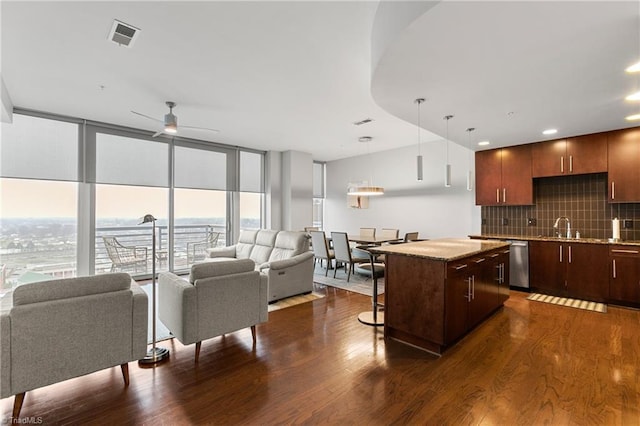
(216, 269)
(66, 288)
(289, 244)
(265, 240)
(245, 244)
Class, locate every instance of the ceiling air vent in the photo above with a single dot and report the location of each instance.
(123, 34)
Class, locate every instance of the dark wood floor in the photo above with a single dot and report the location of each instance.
(530, 363)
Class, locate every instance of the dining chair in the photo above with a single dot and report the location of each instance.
(375, 270)
(368, 232)
(410, 236)
(389, 233)
(321, 249)
(343, 253)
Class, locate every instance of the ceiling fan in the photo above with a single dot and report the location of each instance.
(170, 122)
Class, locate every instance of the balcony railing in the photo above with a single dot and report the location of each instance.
(139, 236)
(50, 258)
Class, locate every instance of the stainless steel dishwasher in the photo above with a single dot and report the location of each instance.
(519, 264)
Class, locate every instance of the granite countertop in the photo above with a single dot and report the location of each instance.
(555, 239)
(446, 249)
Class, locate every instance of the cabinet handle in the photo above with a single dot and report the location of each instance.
(561, 164)
(493, 256)
(569, 254)
(613, 190)
(480, 260)
(497, 195)
(460, 267)
(468, 296)
(614, 268)
(624, 251)
(473, 287)
(504, 195)
(560, 254)
(571, 164)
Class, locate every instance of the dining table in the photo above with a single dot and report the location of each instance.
(369, 240)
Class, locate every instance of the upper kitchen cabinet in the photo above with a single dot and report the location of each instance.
(503, 177)
(624, 166)
(576, 155)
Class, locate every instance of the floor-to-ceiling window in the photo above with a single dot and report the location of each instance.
(318, 194)
(131, 180)
(38, 208)
(70, 188)
(251, 190)
(201, 181)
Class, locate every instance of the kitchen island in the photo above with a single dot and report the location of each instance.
(438, 290)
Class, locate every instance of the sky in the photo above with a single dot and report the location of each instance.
(33, 198)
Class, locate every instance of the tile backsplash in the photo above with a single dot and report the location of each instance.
(581, 198)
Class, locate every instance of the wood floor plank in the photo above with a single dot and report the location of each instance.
(530, 363)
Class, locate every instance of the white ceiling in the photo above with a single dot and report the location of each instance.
(295, 75)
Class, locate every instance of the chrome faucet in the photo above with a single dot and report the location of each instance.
(555, 226)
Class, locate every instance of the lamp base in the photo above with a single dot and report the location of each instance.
(161, 354)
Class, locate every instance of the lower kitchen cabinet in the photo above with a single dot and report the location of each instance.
(569, 269)
(476, 286)
(624, 275)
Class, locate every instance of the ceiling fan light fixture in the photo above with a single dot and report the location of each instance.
(171, 128)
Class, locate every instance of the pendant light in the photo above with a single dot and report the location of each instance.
(447, 167)
(419, 162)
(470, 172)
(366, 189)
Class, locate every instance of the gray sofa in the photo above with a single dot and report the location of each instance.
(218, 298)
(56, 330)
(283, 256)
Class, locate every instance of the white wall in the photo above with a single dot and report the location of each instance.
(427, 207)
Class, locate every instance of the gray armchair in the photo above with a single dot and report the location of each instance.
(218, 298)
(56, 330)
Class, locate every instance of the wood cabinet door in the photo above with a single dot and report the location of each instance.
(587, 154)
(517, 183)
(488, 177)
(624, 166)
(502, 262)
(624, 277)
(587, 271)
(548, 158)
(484, 294)
(458, 290)
(547, 268)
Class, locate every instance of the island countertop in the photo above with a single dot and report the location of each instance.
(444, 249)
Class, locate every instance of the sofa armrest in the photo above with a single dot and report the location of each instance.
(222, 251)
(140, 321)
(287, 263)
(178, 306)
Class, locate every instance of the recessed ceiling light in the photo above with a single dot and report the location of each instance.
(633, 68)
(633, 97)
(550, 132)
(484, 143)
(633, 117)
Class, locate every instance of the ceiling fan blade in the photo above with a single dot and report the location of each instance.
(146, 116)
(158, 133)
(199, 128)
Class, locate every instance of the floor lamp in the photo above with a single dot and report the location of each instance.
(156, 354)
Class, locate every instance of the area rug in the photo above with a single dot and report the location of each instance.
(572, 303)
(294, 300)
(357, 283)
